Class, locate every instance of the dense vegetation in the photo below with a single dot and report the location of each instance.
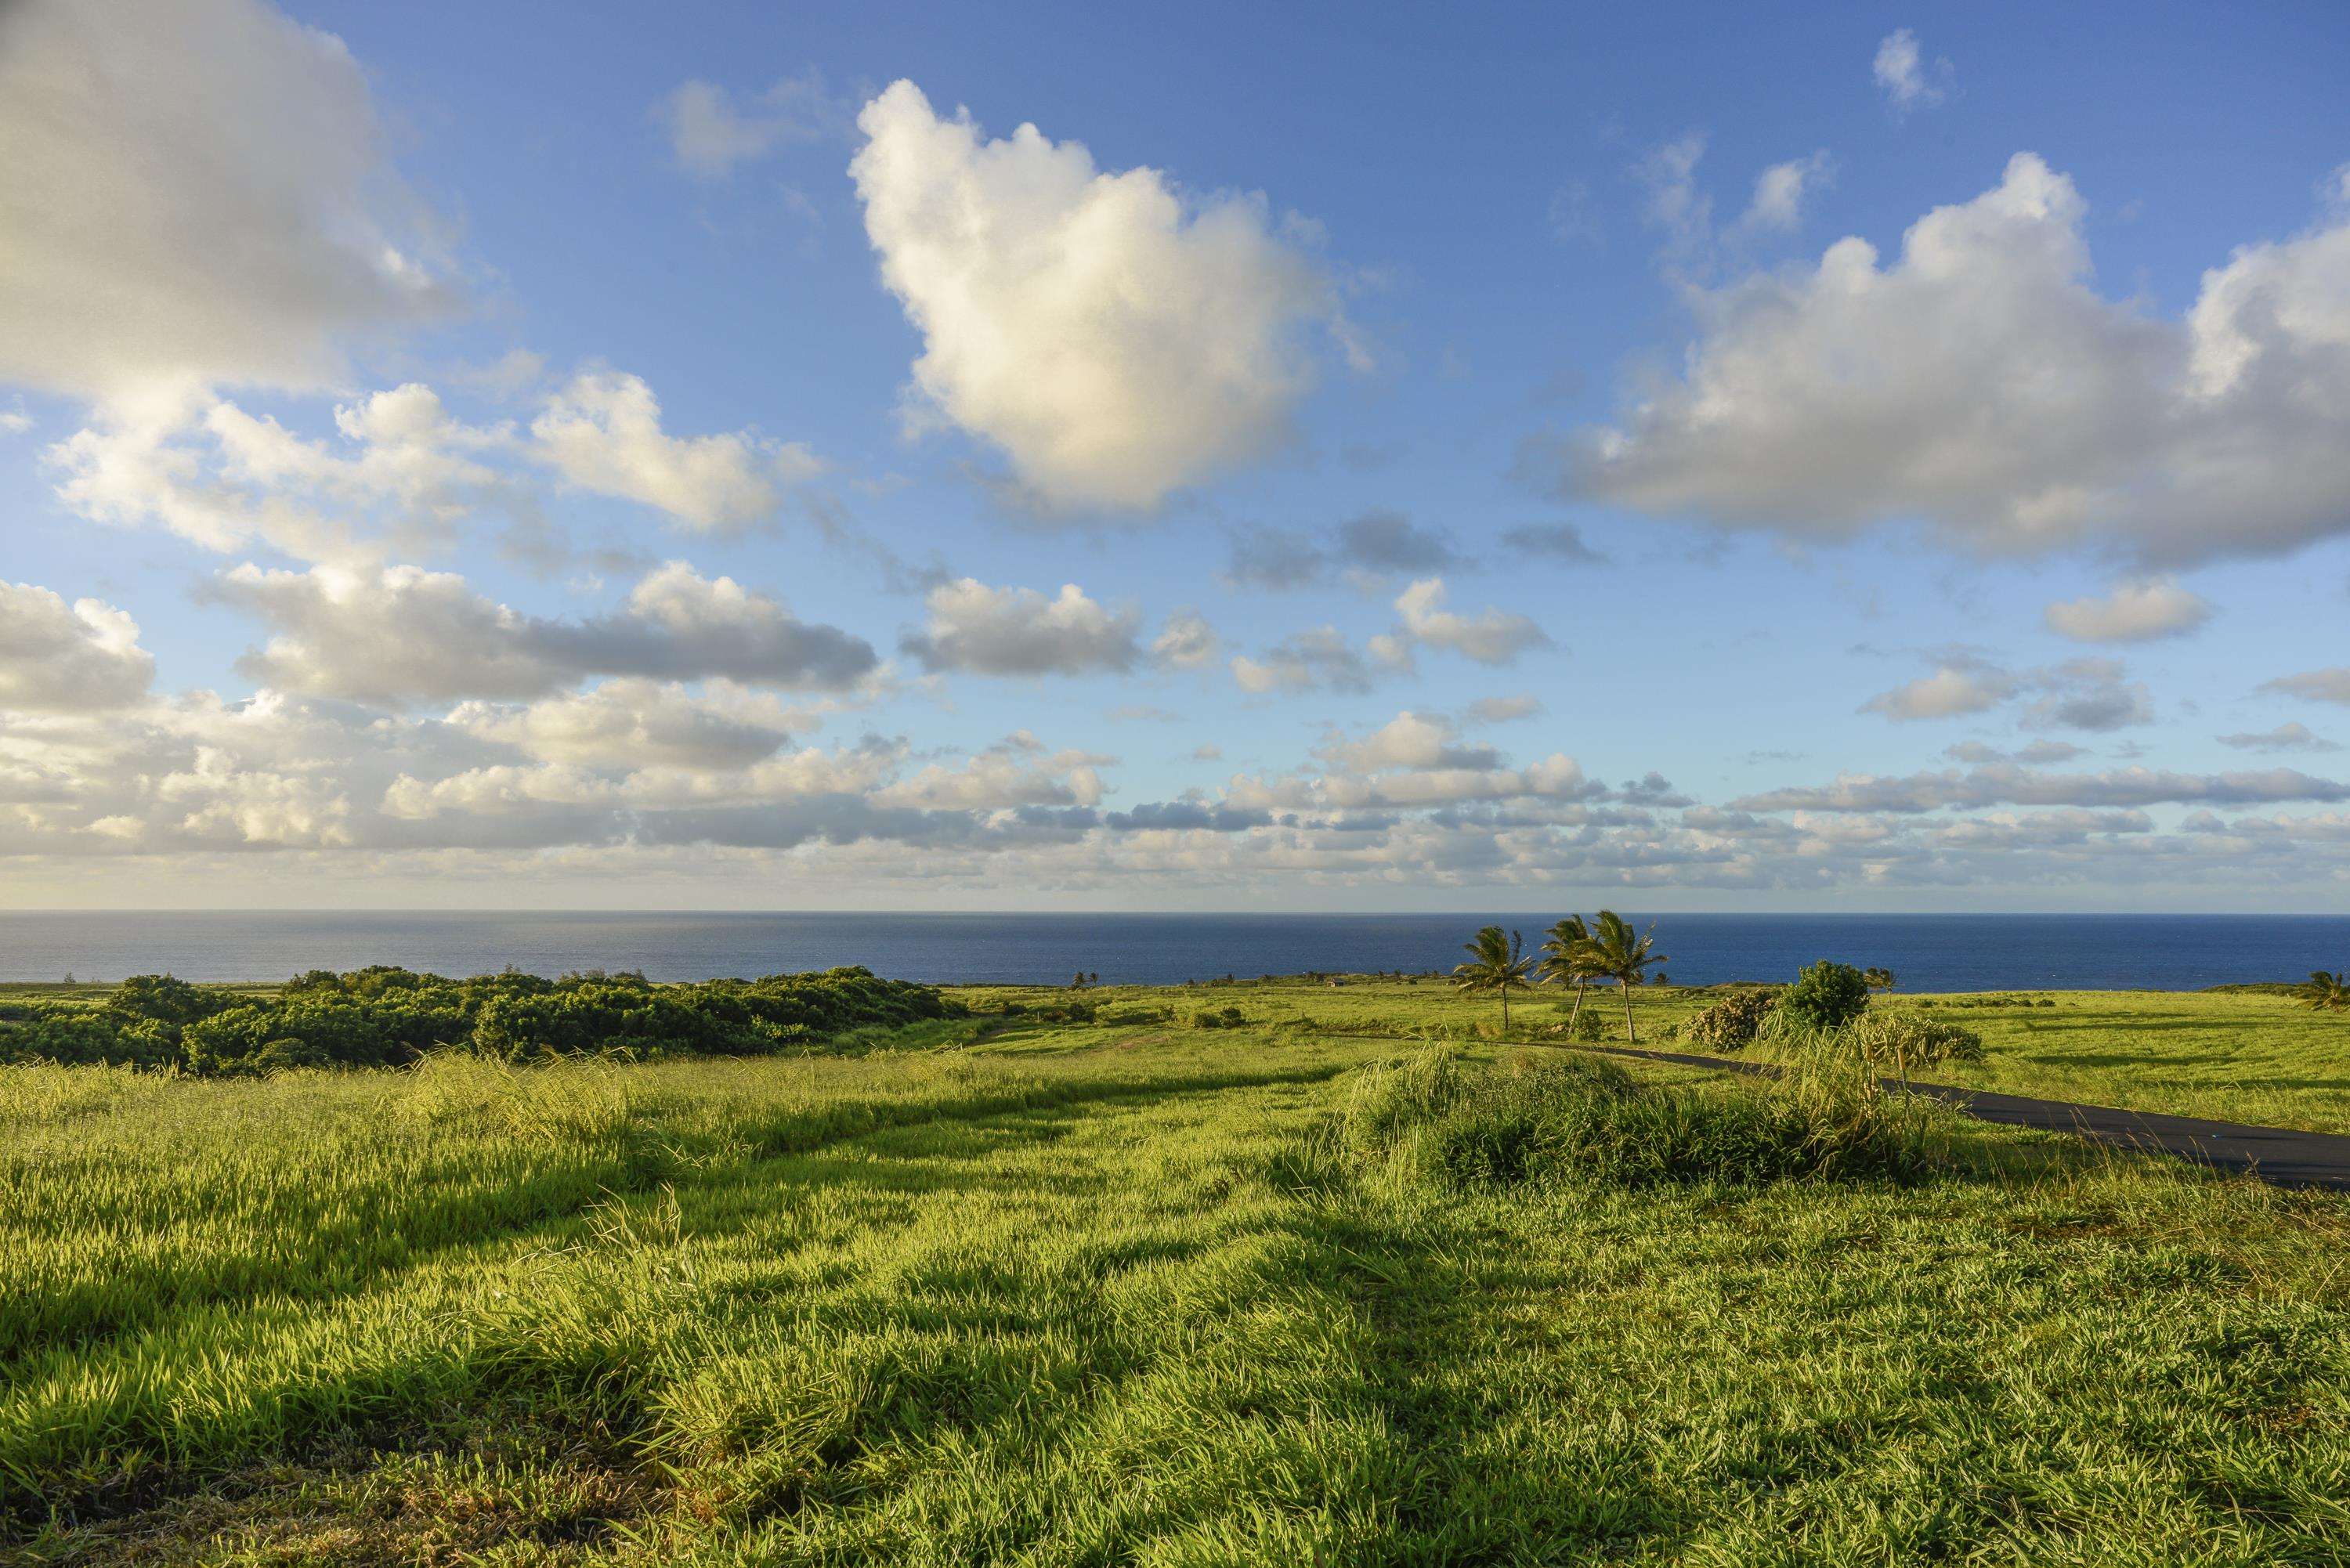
(1112, 1290)
(383, 1016)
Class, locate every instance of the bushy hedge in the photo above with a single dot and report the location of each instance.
(1827, 995)
(1730, 1023)
(384, 1016)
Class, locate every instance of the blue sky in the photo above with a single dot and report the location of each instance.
(1358, 458)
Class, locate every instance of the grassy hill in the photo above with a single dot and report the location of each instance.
(1072, 1290)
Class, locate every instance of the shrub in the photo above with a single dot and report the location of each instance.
(1209, 1018)
(1730, 1024)
(1827, 995)
(385, 1016)
(1589, 1025)
(1433, 1119)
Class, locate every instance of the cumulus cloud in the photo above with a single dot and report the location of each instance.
(2077, 694)
(1981, 384)
(1116, 342)
(1186, 643)
(2134, 612)
(1902, 74)
(193, 190)
(1017, 773)
(1953, 689)
(711, 132)
(1317, 657)
(1490, 637)
(1411, 740)
(2329, 685)
(399, 634)
(634, 722)
(69, 657)
(987, 630)
(603, 432)
(2288, 737)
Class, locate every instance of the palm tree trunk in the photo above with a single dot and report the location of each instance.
(1629, 1032)
(1580, 987)
(1505, 1009)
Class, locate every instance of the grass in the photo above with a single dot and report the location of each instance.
(2236, 1055)
(1128, 1292)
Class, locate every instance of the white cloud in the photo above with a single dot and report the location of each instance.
(2332, 685)
(634, 722)
(1780, 190)
(1668, 175)
(2093, 694)
(193, 191)
(1186, 643)
(1902, 73)
(399, 634)
(401, 472)
(1116, 342)
(1490, 636)
(67, 657)
(1015, 773)
(2134, 612)
(1018, 631)
(2289, 737)
(1411, 740)
(1950, 691)
(1981, 385)
(254, 807)
(1318, 657)
(1503, 710)
(709, 133)
(603, 432)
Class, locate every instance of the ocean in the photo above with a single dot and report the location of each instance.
(1925, 953)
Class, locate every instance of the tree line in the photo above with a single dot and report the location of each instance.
(384, 1016)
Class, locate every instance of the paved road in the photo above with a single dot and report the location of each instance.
(2278, 1155)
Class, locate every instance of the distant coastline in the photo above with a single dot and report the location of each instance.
(1927, 952)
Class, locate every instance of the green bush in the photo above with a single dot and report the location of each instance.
(1207, 1018)
(1589, 1025)
(385, 1016)
(1730, 1023)
(1827, 995)
(1433, 1119)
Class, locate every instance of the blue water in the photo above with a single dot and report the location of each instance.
(1927, 952)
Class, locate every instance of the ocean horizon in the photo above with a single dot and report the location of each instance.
(1925, 953)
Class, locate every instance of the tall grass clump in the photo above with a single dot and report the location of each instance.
(1888, 1040)
(1434, 1117)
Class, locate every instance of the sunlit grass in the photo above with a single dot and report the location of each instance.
(1129, 1292)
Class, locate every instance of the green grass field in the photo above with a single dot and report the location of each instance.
(1133, 1292)
(2234, 1055)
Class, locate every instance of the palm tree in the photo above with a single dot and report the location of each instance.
(1496, 962)
(1567, 961)
(2326, 992)
(1877, 979)
(1618, 954)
